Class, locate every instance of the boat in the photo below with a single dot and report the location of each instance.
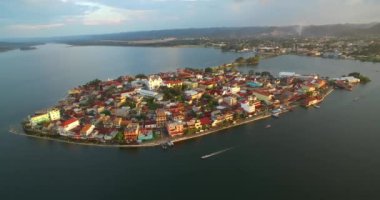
(276, 115)
(316, 106)
(268, 126)
(215, 153)
(170, 143)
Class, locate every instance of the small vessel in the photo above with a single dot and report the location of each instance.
(357, 98)
(316, 106)
(276, 115)
(170, 143)
(215, 153)
(268, 126)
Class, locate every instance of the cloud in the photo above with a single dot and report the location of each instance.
(35, 27)
(101, 14)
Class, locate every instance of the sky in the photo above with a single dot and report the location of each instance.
(45, 18)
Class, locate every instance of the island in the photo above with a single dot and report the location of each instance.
(168, 107)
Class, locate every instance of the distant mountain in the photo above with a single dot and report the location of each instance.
(337, 30)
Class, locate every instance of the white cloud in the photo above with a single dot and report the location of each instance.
(34, 27)
(100, 14)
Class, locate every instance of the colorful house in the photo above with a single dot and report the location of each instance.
(175, 128)
(131, 132)
(160, 118)
(37, 119)
(87, 129)
(70, 124)
(54, 114)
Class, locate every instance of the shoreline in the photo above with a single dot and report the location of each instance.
(159, 142)
(162, 141)
(156, 143)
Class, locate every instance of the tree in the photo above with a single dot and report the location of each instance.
(240, 60)
(141, 76)
(94, 82)
(208, 70)
(265, 73)
(253, 60)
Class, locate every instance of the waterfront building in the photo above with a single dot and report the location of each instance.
(287, 74)
(145, 135)
(131, 132)
(175, 128)
(87, 129)
(70, 124)
(40, 118)
(248, 106)
(160, 118)
(54, 114)
(310, 101)
(349, 79)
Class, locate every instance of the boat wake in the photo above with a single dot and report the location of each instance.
(216, 153)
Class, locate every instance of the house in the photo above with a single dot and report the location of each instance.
(191, 84)
(310, 101)
(193, 94)
(70, 124)
(87, 129)
(39, 118)
(254, 84)
(308, 88)
(175, 128)
(148, 93)
(131, 132)
(263, 96)
(54, 114)
(349, 79)
(286, 74)
(230, 100)
(248, 106)
(205, 121)
(117, 121)
(173, 83)
(160, 118)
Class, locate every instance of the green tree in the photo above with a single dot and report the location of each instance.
(141, 76)
(240, 60)
(208, 70)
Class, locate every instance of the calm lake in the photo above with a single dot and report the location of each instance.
(327, 153)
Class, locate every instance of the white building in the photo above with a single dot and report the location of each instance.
(153, 82)
(233, 89)
(286, 74)
(248, 106)
(87, 129)
(349, 79)
(148, 93)
(70, 124)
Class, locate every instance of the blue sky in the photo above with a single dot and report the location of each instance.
(40, 18)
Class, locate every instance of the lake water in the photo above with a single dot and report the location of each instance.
(327, 153)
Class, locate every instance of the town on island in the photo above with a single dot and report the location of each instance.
(164, 108)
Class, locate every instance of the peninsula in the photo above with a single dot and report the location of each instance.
(152, 110)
